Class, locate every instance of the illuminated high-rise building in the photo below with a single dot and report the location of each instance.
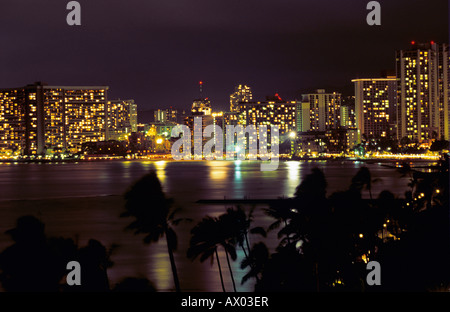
(422, 91)
(344, 113)
(348, 117)
(160, 115)
(18, 121)
(166, 115)
(242, 93)
(303, 119)
(201, 107)
(324, 110)
(375, 106)
(280, 113)
(121, 119)
(444, 91)
(39, 117)
(171, 115)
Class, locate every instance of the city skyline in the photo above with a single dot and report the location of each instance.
(293, 53)
(266, 146)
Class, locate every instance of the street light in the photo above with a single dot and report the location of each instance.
(292, 135)
(159, 141)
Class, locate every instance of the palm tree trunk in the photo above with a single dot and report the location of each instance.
(231, 271)
(220, 270)
(172, 264)
(245, 251)
(252, 263)
(246, 241)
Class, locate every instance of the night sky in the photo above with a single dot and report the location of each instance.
(156, 52)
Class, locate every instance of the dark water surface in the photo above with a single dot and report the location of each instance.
(83, 200)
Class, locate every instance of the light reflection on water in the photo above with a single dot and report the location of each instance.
(185, 181)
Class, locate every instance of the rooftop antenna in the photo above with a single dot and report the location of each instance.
(200, 84)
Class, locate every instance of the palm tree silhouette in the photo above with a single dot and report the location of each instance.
(363, 178)
(146, 202)
(235, 224)
(256, 260)
(281, 213)
(232, 225)
(204, 241)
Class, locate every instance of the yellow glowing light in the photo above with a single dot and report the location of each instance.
(364, 258)
(159, 141)
(361, 236)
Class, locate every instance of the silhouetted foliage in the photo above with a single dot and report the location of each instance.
(38, 264)
(256, 259)
(30, 264)
(153, 216)
(326, 242)
(205, 238)
(94, 260)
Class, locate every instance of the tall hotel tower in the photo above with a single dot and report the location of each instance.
(324, 110)
(36, 117)
(375, 106)
(242, 93)
(423, 91)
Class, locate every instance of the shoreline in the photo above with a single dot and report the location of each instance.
(352, 159)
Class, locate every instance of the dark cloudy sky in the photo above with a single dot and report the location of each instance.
(157, 51)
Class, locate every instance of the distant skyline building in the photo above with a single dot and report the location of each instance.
(201, 107)
(324, 110)
(348, 117)
(303, 120)
(280, 113)
(345, 116)
(375, 107)
(423, 91)
(38, 117)
(121, 119)
(166, 115)
(242, 93)
(444, 91)
(160, 115)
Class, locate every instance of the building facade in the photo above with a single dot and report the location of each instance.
(242, 93)
(324, 110)
(281, 113)
(166, 115)
(201, 107)
(376, 106)
(121, 119)
(422, 91)
(38, 117)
